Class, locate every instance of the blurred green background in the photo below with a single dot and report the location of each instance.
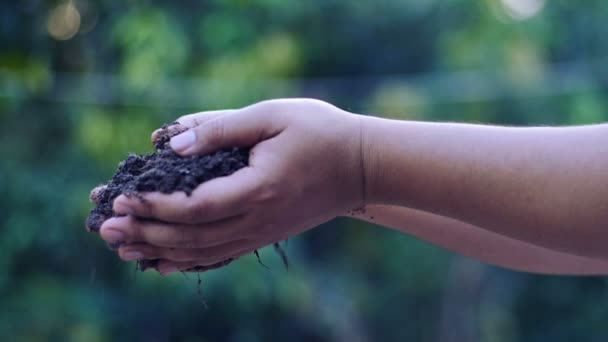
(82, 83)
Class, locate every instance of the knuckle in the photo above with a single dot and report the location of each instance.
(267, 193)
(186, 240)
(136, 231)
(197, 120)
(141, 206)
(148, 208)
(267, 104)
(150, 252)
(214, 131)
(121, 205)
(269, 107)
(197, 209)
(269, 189)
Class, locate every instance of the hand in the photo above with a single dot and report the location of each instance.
(305, 168)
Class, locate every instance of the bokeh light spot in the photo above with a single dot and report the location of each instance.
(523, 9)
(64, 21)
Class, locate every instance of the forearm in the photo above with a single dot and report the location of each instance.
(546, 186)
(481, 244)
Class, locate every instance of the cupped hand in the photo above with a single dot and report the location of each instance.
(305, 168)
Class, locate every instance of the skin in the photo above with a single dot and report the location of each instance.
(543, 185)
(531, 199)
(481, 244)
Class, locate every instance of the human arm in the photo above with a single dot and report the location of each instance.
(546, 186)
(312, 162)
(480, 244)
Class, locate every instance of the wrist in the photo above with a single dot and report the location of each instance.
(371, 169)
(391, 162)
(353, 165)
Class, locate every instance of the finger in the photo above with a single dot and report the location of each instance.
(130, 229)
(189, 121)
(211, 201)
(195, 119)
(167, 266)
(243, 128)
(206, 256)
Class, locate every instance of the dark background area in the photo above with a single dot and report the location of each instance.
(82, 83)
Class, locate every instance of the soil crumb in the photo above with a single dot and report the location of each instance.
(164, 171)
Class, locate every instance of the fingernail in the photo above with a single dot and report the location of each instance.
(113, 235)
(167, 270)
(183, 141)
(133, 255)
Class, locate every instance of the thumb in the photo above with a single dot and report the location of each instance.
(242, 128)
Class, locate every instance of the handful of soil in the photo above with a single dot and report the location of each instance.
(163, 171)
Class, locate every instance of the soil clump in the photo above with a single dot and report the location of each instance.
(163, 171)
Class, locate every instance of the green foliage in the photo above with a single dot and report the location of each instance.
(71, 109)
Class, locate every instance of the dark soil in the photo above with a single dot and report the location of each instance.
(166, 172)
